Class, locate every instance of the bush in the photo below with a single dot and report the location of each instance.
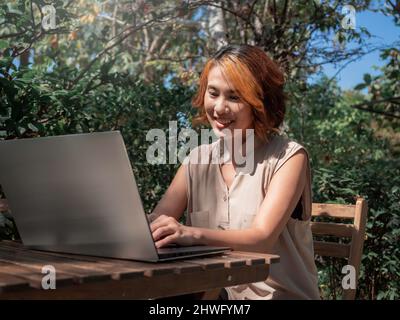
(350, 159)
(36, 104)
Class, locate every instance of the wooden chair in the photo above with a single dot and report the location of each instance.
(354, 231)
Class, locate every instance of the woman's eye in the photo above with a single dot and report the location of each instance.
(234, 98)
(213, 94)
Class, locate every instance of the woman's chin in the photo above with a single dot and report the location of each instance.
(228, 133)
(223, 133)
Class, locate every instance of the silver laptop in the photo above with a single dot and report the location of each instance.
(77, 194)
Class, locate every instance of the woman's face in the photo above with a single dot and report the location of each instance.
(224, 108)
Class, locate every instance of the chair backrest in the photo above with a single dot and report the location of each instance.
(354, 231)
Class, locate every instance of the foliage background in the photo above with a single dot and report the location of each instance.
(133, 65)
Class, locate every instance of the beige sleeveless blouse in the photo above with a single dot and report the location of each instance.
(212, 205)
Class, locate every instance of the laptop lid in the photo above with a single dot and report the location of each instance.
(76, 193)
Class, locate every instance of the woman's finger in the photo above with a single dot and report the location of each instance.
(162, 232)
(160, 222)
(157, 223)
(167, 240)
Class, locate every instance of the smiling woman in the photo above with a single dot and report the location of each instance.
(266, 209)
(223, 106)
(255, 81)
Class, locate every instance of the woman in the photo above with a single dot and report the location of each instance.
(266, 209)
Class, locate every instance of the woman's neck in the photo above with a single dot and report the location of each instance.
(246, 146)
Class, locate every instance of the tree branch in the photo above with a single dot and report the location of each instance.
(369, 104)
(125, 34)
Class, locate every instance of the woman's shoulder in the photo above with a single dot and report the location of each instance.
(279, 149)
(280, 145)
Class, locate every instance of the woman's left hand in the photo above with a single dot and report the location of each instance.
(167, 230)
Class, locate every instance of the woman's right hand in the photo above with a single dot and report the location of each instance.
(166, 231)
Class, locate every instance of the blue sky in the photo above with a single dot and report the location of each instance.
(385, 32)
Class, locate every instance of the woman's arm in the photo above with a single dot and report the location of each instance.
(282, 196)
(173, 203)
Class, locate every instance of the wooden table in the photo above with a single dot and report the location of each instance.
(87, 277)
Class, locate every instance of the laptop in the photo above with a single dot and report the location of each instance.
(77, 194)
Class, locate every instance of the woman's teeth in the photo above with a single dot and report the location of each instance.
(225, 122)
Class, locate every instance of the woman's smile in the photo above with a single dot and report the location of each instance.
(223, 105)
(223, 123)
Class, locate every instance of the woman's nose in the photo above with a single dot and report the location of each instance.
(220, 106)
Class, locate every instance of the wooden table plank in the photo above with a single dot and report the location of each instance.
(118, 268)
(99, 277)
(79, 272)
(32, 275)
(152, 287)
(268, 258)
(231, 261)
(9, 283)
(208, 263)
(250, 261)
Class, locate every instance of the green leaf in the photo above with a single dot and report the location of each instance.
(367, 78)
(360, 86)
(32, 127)
(3, 44)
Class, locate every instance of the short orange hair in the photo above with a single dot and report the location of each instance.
(258, 81)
